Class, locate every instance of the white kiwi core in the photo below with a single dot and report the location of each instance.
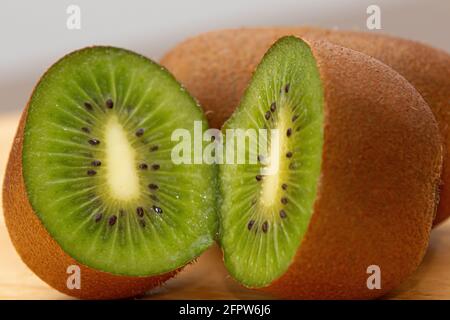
(271, 183)
(121, 175)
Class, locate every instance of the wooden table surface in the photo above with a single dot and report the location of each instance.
(207, 278)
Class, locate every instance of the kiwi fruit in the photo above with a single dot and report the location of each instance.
(90, 181)
(359, 159)
(217, 66)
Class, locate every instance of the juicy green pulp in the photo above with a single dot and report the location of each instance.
(57, 155)
(254, 257)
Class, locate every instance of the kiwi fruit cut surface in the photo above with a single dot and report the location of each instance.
(217, 66)
(359, 163)
(90, 180)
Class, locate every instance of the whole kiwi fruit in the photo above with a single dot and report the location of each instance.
(217, 66)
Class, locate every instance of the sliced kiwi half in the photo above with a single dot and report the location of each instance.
(97, 168)
(335, 198)
(264, 217)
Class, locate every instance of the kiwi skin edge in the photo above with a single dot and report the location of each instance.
(218, 78)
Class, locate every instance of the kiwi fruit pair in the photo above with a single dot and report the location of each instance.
(90, 181)
(360, 159)
(218, 77)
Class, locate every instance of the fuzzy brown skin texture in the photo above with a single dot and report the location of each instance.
(376, 195)
(217, 66)
(42, 254)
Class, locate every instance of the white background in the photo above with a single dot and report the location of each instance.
(33, 34)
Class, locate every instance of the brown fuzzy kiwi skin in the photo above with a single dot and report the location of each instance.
(217, 66)
(42, 254)
(375, 203)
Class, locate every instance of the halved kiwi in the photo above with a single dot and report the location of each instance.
(90, 180)
(218, 77)
(359, 163)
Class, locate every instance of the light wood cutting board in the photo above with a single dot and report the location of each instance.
(207, 278)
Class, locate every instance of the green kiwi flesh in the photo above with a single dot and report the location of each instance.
(97, 164)
(263, 218)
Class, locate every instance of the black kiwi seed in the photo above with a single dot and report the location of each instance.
(284, 186)
(267, 115)
(112, 220)
(258, 177)
(157, 209)
(140, 211)
(98, 217)
(286, 88)
(265, 226)
(250, 224)
(283, 214)
(139, 132)
(153, 148)
(289, 132)
(294, 118)
(153, 186)
(84, 129)
(155, 166)
(273, 106)
(94, 142)
(289, 154)
(96, 163)
(259, 158)
(143, 166)
(91, 172)
(109, 103)
(88, 106)
(284, 200)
